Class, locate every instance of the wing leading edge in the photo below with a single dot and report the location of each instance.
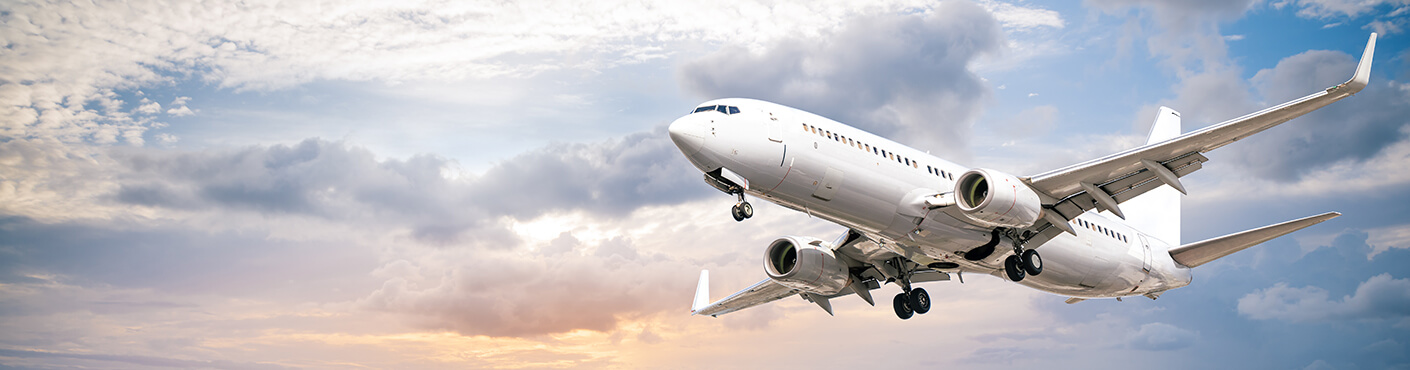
(1122, 176)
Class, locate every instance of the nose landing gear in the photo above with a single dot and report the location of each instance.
(741, 210)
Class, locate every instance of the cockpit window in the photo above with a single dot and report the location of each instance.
(726, 109)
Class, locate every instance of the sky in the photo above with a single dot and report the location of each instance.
(446, 184)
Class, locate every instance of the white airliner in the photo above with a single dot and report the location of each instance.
(912, 217)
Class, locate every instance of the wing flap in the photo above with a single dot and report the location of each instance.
(1201, 252)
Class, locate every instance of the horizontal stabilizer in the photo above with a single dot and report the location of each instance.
(1201, 252)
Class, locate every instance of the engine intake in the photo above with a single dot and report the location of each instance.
(805, 264)
(991, 198)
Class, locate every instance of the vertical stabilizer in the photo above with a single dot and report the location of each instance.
(1157, 212)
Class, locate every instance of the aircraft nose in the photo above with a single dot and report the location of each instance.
(688, 135)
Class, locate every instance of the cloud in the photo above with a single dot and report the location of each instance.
(335, 181)
(1323, 9)
(902, 75)
(1380, 297)
(510, 294)
(1356, 129)
(1188, 38)
(1158, 336)
(68, 63)
(146, 361)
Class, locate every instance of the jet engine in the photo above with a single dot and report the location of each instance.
(995, 199)
(805, 264)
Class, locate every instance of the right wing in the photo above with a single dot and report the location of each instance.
(1103, 183)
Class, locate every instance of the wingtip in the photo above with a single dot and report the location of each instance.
(702, 293)
(1362, 78)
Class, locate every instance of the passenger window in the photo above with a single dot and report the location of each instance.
(805, 127)
(733, 110)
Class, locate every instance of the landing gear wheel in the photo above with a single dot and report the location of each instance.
(737, 213)
(746, 209)
(903, 308)
(919, 301)
(1032, 262)
(1012, 269)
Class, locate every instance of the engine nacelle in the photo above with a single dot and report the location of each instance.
(995, 199)
(806, 264)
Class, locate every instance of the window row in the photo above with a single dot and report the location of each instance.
(1103, 230)
(875, 150)
(726, 109)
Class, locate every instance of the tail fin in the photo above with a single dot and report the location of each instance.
(1157, 212)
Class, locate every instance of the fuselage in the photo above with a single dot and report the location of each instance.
(865, 182)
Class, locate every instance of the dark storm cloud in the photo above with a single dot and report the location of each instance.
(1356, 128)
(334, 181)
(890, 74)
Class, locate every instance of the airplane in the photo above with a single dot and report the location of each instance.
(911, 217)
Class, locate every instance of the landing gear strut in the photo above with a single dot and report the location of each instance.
(741, 210)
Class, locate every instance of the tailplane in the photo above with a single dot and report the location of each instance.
(1201, 252)
(1157, 212)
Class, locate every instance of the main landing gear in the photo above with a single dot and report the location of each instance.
(917, 301)
(1022, 264)
(741, 210)
(911, 301)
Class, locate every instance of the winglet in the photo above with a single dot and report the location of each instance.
(702, 293)
(1363, 70)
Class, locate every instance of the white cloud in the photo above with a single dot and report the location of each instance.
(1380, 297)
(1023, 18)
(1343, 8)
(181, 111)
(1158, 336)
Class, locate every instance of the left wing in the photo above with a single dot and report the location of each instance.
(1105, 182)
(763, 292)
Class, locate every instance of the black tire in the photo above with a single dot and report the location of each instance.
(746, 209)
(919, 301)
(903, 308)
(1012, 269)
(738, 215)
(1032, 262)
